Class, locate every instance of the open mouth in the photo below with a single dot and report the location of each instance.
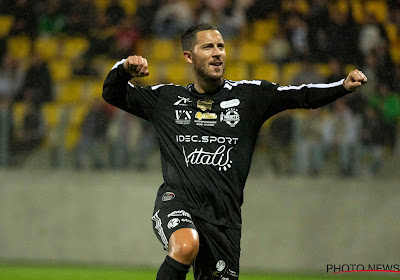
(216, 63)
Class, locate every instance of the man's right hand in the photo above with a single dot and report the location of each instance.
(136, 66)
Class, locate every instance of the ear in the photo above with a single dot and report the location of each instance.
(188, 56)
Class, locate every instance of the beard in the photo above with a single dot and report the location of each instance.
(205, 75)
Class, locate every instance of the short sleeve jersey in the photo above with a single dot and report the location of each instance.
(207, 139)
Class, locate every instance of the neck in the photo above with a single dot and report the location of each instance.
(203, 86)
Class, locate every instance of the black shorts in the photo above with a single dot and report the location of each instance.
(219, 251)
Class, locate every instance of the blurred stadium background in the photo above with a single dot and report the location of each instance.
(78, 178)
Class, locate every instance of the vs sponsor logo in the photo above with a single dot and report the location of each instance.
(183, 116)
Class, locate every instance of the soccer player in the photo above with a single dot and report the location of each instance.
(207, 132)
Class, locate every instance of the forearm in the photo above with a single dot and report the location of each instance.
(115, 87)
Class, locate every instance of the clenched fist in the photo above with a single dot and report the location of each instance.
(136, 66)
(355, 79)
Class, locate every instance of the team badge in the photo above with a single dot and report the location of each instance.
(231, 117)
(173, 223)
(204, 104)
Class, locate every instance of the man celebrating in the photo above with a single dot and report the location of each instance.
(207, 133)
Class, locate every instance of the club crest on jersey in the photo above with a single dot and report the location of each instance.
(204, 104)
(231, 117)
(183, 101)
(183, 116)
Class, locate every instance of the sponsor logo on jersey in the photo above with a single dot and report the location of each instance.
(183, 116)
(168, 196)
(173, 223)
(206, 116)
(230, 103)
(219, 158)
(206, 139)
(205, 119)
(204, 104)
(231, 117)
(183, 101)
(179, 213)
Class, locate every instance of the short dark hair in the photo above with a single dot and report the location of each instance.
(188, 38)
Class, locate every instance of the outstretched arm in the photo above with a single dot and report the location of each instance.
(119, 92)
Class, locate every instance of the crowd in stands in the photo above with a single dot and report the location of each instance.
(323, 39)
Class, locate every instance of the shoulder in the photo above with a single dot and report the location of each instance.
(250, 84)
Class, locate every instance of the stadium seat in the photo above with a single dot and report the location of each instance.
(288, 72)
(251, 52)
(19, 46)
(237, 71)
(47, 47)
(267, 71)
(72, 138)
(71, 92)
(60, 70)
(6, 21)
(52, 114)
(264, 30)
(92, 89)
(378, 8)
(323, 69)
(129, 6)
(101, 5)
(163, 50)
(74, 47)
(18, 112)
(177, 73)
(358, 11)
(391, 30)
(395, 52)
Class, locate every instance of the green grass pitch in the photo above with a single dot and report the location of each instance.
(26, 272)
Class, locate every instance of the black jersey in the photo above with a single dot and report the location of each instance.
(207, 140)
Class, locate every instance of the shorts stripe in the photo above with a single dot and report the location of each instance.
(159, 229)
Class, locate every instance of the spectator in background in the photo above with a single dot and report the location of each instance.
(280, 142)
(261, 9)
(11, 78)
(342, 28)
(298, 36)
(387, 104)
(311, 148)
(345, 137)
(25, 18)
(371, 35)
(37, 86)
(145, 16)
(80, 18)
(51, 20)
(318, 22)
(372, 142)
(336, 70)
(228, 15)
(115, 12)
(278, 47)
(30, 136)
(385, 64)
(92, 139)
(307, 74)
(126, 38)
(370, 68)
(172, 18)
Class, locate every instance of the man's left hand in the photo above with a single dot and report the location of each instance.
(355, 79)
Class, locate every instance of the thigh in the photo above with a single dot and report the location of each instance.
(219, 252)
(168, 219)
